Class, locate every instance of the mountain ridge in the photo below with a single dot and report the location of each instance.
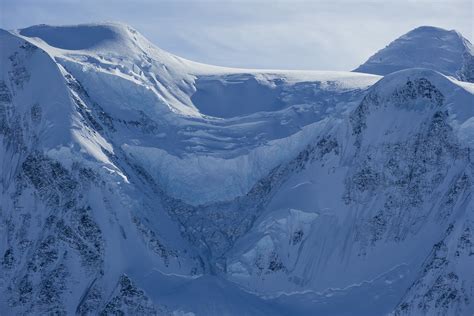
(342, 187)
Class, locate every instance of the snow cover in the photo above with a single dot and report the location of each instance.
(426, 47)
(133, 78)
(135, 181)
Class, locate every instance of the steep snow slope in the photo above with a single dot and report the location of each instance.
(375, 207)
(72, 222)
(136, 181)
(428, 47)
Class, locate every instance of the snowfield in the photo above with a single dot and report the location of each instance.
(137, 182)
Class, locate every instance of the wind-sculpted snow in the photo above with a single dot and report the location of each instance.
(236, 97)
(73, 37)
(137, 182)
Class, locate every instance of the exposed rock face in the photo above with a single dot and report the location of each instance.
(127, 299)
(444, 286)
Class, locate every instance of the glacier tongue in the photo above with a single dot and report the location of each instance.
(137, 182)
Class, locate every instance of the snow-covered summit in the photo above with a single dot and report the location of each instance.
(79, 37)
(105, 39)
(428, 47)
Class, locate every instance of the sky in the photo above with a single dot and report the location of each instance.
(291, 34)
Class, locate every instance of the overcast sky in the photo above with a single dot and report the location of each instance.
(325, 35)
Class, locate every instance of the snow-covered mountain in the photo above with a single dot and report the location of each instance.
(425, 47)
(134, 181)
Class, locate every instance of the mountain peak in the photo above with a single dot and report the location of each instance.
(446, 51)
(433, 34)
(81, 36)
(430, 28)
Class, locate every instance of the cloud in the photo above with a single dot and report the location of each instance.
(326, 35)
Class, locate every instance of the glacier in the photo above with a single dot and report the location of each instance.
(137, 182)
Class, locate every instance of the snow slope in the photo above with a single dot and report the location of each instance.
(134, 82)
(72, 222)
(428, 47)
(395, 179)
(136, 181)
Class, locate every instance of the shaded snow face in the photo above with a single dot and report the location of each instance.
(72, 37)
(425, 47)
(236, 96)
